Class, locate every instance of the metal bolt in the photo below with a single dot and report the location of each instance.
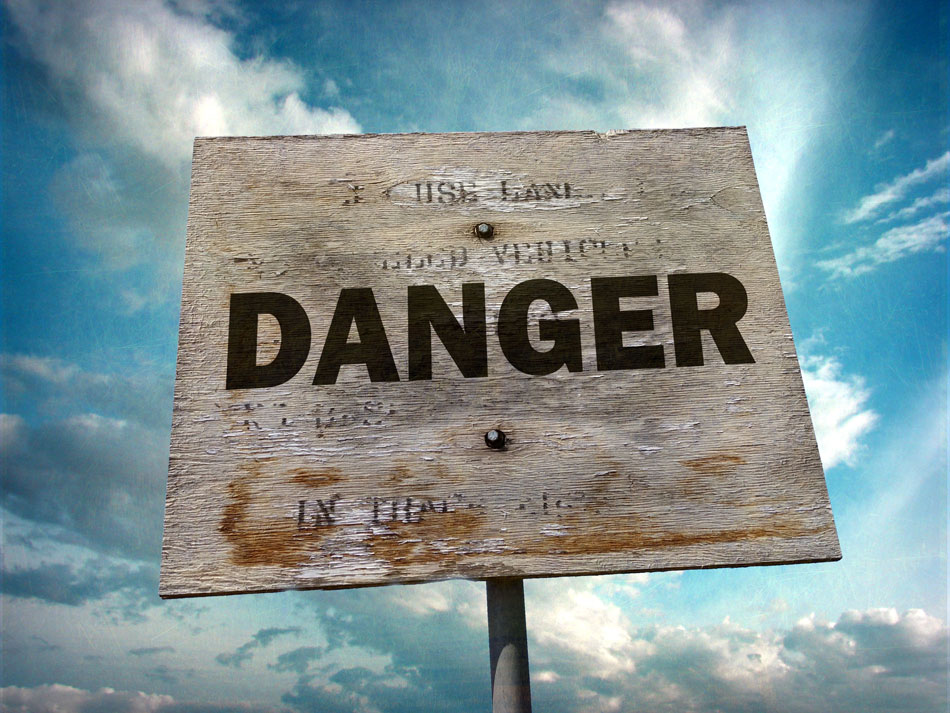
(485, 231)
(495, 439)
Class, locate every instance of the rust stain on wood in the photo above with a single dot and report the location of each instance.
(431, 540)
(316, 479)
(255, 543)
(719, 464)
(423, 529)
(716, 473)
(399, 474)
(617, 536)
(251, 543)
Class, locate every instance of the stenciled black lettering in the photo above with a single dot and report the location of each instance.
(500, 255)
(327, 511)
(721, 321)
(468, 345)
(513, 329)
(445, 193)
(243, 372)
(610, 322)
(356, 304)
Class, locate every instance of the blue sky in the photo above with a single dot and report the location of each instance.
(847, 110)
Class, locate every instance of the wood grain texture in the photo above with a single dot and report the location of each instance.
(358, 483)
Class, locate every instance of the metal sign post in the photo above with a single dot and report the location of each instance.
(508, 646)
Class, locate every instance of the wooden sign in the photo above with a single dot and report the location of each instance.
(359, 312)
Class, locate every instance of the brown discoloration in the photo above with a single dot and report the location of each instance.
(613, 537)
(717, 465)
(316, 479)
(275, 541)
(432, 538)
(261, 532)
(709, 477)
(399, 474)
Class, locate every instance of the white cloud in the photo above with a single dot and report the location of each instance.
(138, 81)
(152, 78)
(925, 235)
(92, 425)
(869, 661)
(839, 411)
(91, 458)
(96, 480)
(884, 139)
(423, 600)
(12, 430)
(49, 369)
(888, 193)
(104, 221)
(57, 387)
(66, 699)
(588, 655)
(330, 88)
(57, 698)
(687, 64)
(587, 617)
(575, 618)
(941, 195)
(877, 660)
(684, 65)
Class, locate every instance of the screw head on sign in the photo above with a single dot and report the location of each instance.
(485, 231)
(495, 439)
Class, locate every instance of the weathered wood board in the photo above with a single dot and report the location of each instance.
(684, 445)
